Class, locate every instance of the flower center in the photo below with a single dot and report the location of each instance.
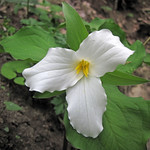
(84, 66)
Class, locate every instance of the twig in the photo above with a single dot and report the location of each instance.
(146, 41)
(115, 4)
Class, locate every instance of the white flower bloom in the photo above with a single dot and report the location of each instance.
(79, 74)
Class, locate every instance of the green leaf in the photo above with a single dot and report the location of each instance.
(19, 80)
(147, 59)
(97, 22)
(12, 106)
(10, 69)
(22, 1)
(76, 31)
(47, 94)
(116, 30)
(130, 15)
(2, 87)
(55, 8)
(60, 39)
(1, 49)
(135, 60)
(59, 104)
(126, 124)
(106, 8)
(17, 137)
(6, 129)
(39, 11)
(31, 21)
(120, 78)
(29, 42)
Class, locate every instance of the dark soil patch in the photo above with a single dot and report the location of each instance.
(34, 127)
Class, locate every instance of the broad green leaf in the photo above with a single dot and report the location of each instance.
(147, 59)
(126, 124)
(120, 78)
(12, 106)
(47, 94)
(76, 31)
(29, 42)
(10, 69)
(135, 60)
(116, 30)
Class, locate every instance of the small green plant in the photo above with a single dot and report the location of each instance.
(106, 8)
(48, 15)
(130, 15)
(6, 129)
(6, 29)
(17, 137)
(3, 87)
(59, 103)
(12, 106)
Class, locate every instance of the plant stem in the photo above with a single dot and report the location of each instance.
(28, 1)
(65, 144)
(115, 4)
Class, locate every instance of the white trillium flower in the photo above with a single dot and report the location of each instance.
(79, 74)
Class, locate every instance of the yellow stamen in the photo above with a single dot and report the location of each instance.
(84, 66)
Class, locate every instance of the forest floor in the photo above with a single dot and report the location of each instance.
(36, 127)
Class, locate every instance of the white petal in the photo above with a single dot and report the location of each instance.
(56, 71)
(104, 51)
(110, 60)
(86, 105)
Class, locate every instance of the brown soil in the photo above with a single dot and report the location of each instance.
(36, 127)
